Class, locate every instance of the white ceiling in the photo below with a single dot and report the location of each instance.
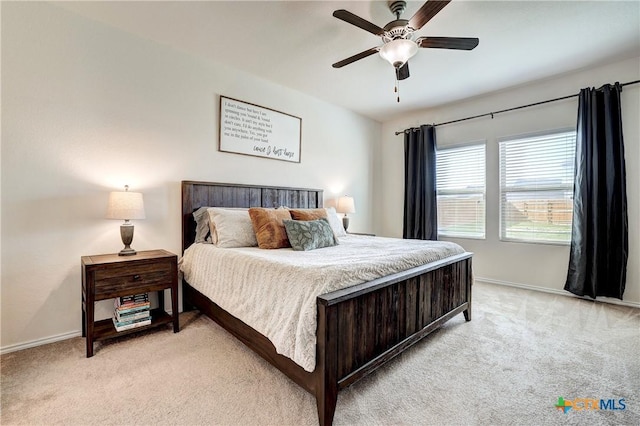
(294, 43)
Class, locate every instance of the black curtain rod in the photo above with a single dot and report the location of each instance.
(491, 114)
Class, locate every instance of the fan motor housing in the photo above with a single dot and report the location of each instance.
(397, 29)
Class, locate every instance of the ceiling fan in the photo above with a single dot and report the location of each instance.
(397, 36)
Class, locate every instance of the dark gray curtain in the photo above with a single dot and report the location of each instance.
(599, 238)
(420, 213)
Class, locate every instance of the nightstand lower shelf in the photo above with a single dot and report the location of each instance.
(104, 329)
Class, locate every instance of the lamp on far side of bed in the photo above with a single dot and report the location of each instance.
(345, 205)
(126, 205)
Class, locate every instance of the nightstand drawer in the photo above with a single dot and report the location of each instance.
(120, 278)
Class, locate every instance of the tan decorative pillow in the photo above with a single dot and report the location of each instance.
(269, 228)
(308, 214)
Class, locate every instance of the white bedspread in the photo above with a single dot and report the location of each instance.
(274, 291)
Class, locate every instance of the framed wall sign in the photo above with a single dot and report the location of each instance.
(262, 132)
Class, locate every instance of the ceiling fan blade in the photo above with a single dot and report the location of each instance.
(402, 73)
(359, 22)
(428, 10)
(458, 43)
(357, 57)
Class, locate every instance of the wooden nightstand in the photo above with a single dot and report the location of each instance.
(108, 276)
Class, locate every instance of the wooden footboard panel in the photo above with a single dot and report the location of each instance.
(382, 319)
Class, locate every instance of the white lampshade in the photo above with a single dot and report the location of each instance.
(125, 205)
(398, 51)
(345, 205)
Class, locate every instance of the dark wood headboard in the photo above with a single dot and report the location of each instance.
(210, 194)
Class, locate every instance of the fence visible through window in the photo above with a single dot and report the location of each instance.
(536, 187)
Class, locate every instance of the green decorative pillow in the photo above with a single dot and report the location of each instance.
(309, 234)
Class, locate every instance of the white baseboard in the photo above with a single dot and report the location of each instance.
(45, 340)
(38, 342)
(558, 292)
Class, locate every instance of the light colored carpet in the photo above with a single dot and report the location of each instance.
(509, 365)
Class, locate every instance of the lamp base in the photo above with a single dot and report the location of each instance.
(126, 233)
(345, 222)
(127, 252)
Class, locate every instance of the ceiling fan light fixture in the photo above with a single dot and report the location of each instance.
(398, 52)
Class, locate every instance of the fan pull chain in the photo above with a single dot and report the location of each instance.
(396, 89)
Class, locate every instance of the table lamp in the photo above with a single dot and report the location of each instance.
(345, 205)
(126, 205)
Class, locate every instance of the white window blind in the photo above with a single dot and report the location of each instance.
(460, 185)
(536, 188)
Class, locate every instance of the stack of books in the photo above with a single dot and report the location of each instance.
(132, 311)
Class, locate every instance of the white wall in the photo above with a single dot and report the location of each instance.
(542, 266)
(88, 109)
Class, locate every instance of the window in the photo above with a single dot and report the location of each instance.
(460, 185)
(536, 188)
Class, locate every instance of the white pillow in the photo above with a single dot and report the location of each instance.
(335, 222)
(231, 228)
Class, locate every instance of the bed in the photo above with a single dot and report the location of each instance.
(359, 328)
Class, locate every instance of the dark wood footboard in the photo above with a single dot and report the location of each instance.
(359, 328)
(362, 327)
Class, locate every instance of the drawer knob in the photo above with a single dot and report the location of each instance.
(136, 277)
